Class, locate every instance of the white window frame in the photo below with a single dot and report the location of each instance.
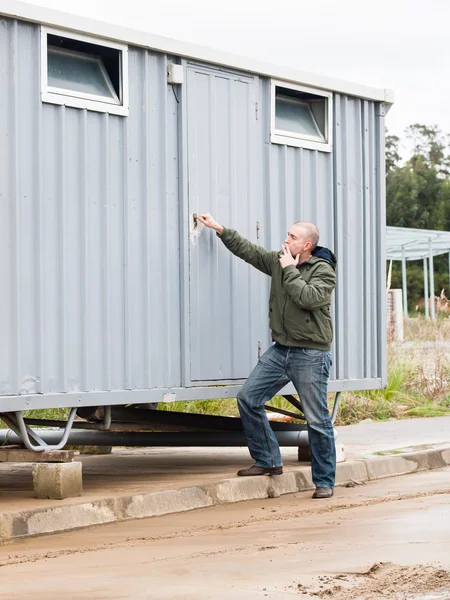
(292, 138)
(72, 98)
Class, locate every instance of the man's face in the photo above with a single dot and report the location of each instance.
(296, 241)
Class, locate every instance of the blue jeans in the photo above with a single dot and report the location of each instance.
(308, 370)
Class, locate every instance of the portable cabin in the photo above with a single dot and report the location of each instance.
(111, 141)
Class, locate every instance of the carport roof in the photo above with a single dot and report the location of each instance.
(415, 243)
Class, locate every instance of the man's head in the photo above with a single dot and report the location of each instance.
(301, 239)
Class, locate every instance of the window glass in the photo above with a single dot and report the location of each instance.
(295, 116)
(79, 73)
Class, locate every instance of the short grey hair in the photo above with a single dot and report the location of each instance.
(312, 233)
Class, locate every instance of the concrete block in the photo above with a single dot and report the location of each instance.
(446, 456)
(283, 484)
(355, 470)
(66, 517)
(388, 466)
(166, 502)
(4, 453)
(253, 488)
(57, 481)
(427, 459)
(303, 479)
(243, 488)
(6, 527)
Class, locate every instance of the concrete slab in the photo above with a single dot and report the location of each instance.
(21, 455)
(370, 436)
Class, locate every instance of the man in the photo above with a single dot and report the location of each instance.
(303, 279)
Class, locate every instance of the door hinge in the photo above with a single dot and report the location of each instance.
(259, 350)
(256, 110)
(257, 230)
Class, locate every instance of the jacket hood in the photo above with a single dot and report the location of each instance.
(325, 254)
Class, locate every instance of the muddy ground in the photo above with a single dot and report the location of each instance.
(384, 540)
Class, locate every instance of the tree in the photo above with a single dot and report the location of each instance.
(429, 147)
(392, 151)
(416, 192)
(418, 196)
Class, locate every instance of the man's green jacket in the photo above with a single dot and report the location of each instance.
(300, 296)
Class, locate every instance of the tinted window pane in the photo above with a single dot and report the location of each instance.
(78, 73)
(295, 116)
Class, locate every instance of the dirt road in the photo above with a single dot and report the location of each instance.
(389, 539)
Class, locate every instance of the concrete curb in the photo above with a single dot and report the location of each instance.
(16, 525)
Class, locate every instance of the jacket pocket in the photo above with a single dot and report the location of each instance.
(309, 325)
(299, 323)
(275, 318)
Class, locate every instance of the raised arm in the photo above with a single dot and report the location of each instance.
(258, 257)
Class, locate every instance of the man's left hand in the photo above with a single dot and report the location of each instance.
(287, 259)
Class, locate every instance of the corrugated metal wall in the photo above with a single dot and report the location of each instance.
(95, 275)
(298, 186)
(89, 244)
(358, 245)
(339, 192)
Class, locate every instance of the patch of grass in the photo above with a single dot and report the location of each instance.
(428, 410)
(413, 390)
(225, 407)
(55, 414)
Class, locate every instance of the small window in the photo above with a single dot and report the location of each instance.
(300, 117)
(79, 71)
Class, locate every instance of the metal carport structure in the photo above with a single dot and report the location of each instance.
(406, 244)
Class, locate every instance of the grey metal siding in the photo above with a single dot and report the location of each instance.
(339, 192)
(89, 248)
(358, 239)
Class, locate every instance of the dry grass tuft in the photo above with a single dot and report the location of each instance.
(419, 329)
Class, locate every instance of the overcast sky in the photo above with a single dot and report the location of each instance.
(398, 44)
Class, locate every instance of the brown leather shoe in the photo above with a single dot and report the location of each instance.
(323, 492)
(255, 470)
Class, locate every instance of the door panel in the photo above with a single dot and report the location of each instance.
(222, 174)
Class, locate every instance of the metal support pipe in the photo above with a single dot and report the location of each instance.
(432, 296)
(151, 439)
(13, 422)
(404, 286)
(337, 401)
(25, 434)
(425, 285)
(106, 423)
